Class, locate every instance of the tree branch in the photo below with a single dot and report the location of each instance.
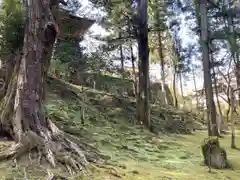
(223, 98)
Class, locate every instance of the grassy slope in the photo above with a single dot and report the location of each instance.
(135, 154)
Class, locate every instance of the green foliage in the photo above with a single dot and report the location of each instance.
(69, 56)
(11, 26)
(159, 13)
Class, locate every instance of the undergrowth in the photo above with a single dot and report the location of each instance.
(130, 152)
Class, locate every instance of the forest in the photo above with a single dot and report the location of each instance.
(119, 89)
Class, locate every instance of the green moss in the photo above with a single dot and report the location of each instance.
(131, 153)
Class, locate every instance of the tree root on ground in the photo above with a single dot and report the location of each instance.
(55, 145)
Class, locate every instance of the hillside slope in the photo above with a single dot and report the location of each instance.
(130, 152)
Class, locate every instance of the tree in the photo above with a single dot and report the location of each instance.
(214, 64)
(159, 25)
(22, 111)
(142, 37)
(157, 35)
(211, 109)
(119, 23)
(11, 39)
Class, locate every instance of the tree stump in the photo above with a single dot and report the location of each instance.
(214, 155)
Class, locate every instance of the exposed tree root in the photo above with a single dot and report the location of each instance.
(54, 145)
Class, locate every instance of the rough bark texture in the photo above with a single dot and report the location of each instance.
(22, 114)
(10, 64)
(144, 107)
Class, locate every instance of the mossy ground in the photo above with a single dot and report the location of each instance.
(132, 152)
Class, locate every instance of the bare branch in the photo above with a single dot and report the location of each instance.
(223, 98)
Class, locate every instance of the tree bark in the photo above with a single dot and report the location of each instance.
(10, 64)
(211, 109)
(22, 113)
(144, 108)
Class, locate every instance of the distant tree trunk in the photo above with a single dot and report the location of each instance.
(144, 108)
(121, 54)
(233, 137)
(232, 41)
(181, 87)
(228, 81)
(139, 104)
(220, 121)
(22, 113)
(134, 71)
(237, 74)
(161, 56)
(211, 109)
(195, 86)
(174, 89)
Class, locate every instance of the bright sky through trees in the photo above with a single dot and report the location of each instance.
(88, 11)
(185, 33)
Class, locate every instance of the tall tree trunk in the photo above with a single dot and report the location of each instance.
(22, 114)
(195, 86)
(174, 88)
(144, 115)
(211, 109)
